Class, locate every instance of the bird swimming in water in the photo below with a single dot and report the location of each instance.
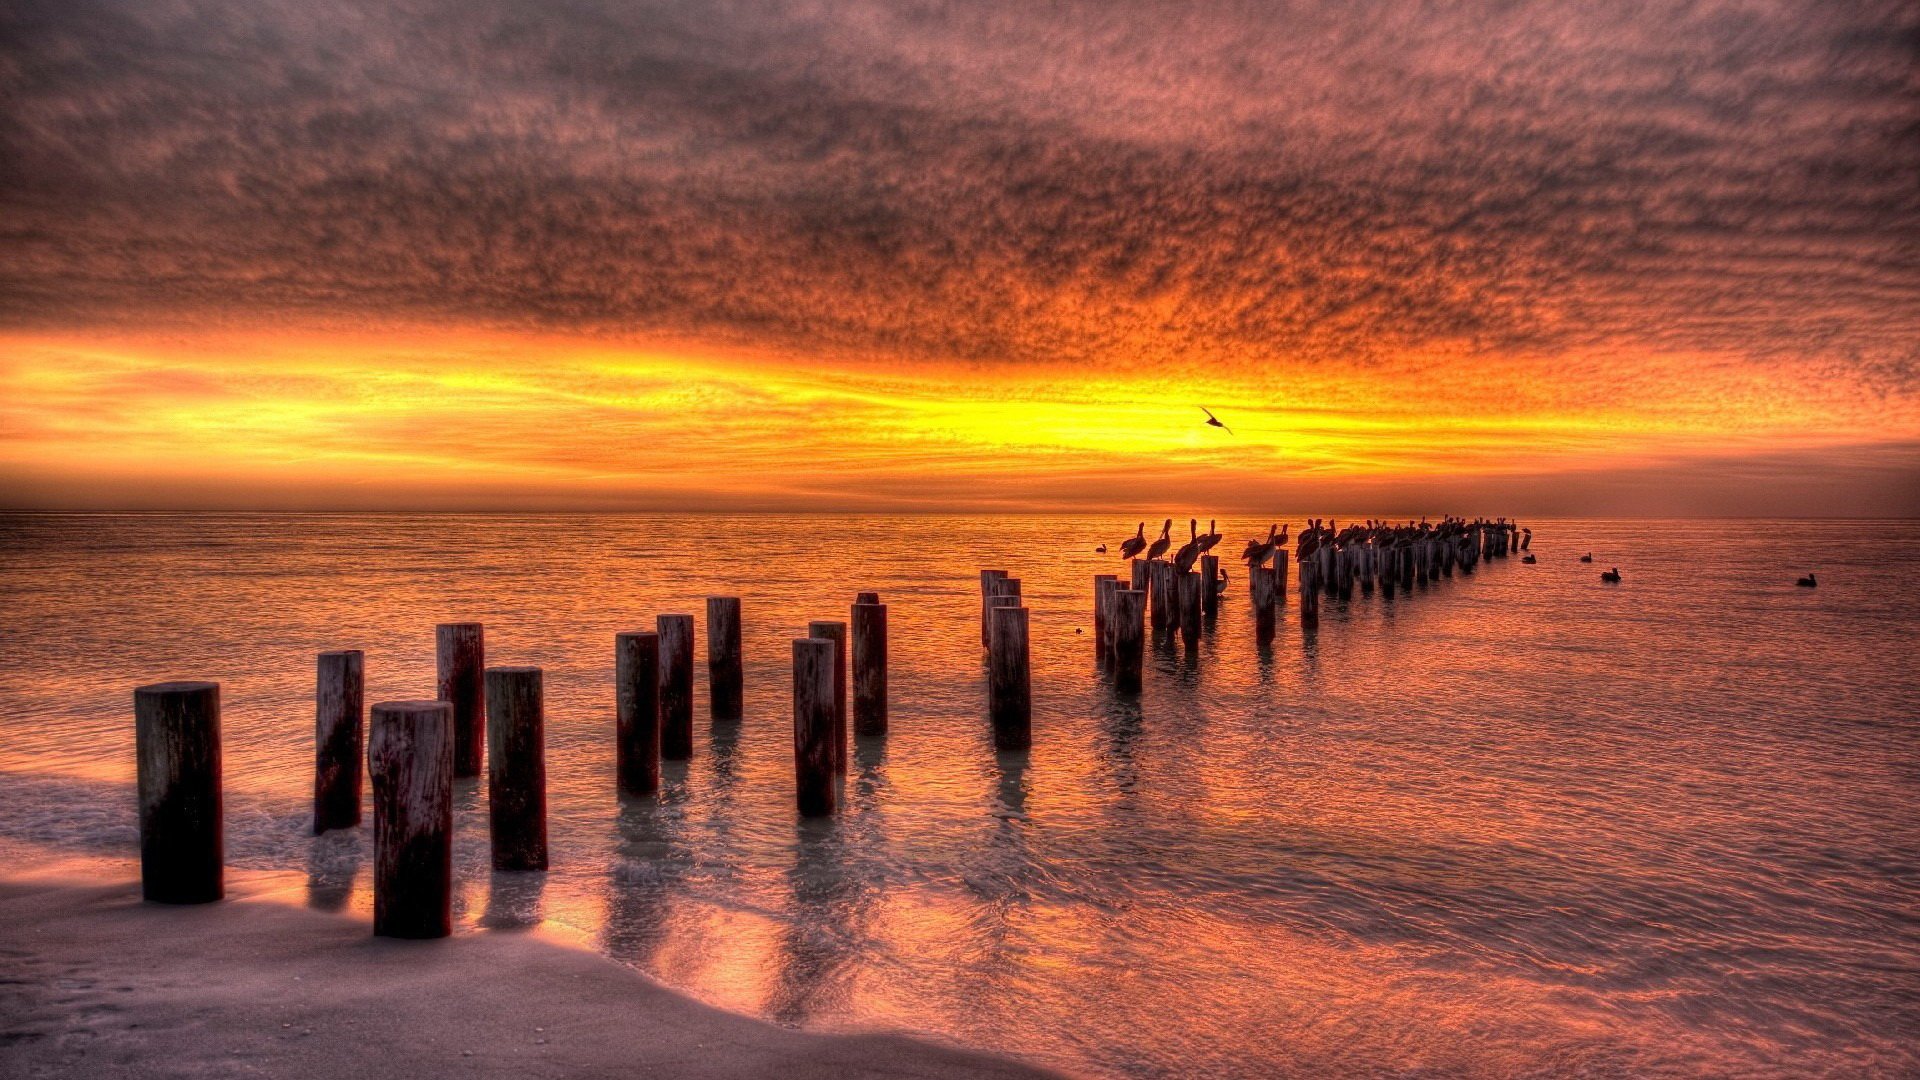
(1807, 582)
(1189, 552)
(1214, 421)
(1101, 550)
(1161, 545)
(1209, 538)
(1136, 543)
(1611, 577)
(1588, 557)
(1530, 559)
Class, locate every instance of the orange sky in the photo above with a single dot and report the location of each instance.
(1562, 259)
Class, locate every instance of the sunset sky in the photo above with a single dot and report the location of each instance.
(1538, 258)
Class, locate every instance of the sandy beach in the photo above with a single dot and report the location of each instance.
(96, 983)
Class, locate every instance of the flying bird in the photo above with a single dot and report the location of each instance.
(1214, 421)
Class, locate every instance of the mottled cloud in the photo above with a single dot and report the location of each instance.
(1129, 184)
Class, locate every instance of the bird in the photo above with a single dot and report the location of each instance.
(1209, 538)
(1214, 421)
(1101, 550)
(1189, 552)
(1588, 557)
(1136, 543)
(1161, 545)
(1611, 577)
(1807, 582)
(1530, 559)
(1258, 550)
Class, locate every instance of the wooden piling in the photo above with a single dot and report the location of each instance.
(410, 756)
(1262, 579)
(339, 739)
(1210, 575)
(1309, 594)
(813, 725)
(461, 651)
(836, 632)
(1129, 637)
(868, 625)
(1009, 682)
(1101, 583)
(988, 590)
(726, 682)
(676, 686)
(177, 759)
(1161, 598)
(1139, 574)
(636, 666)
(1188, 589)
(517, 768)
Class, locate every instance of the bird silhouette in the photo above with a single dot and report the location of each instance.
(1214, 421)
(1189, 552)
(1101, 550)
(1136, 543)
(1258, 550)
(1807, 582)
(1611, 577)
(1210, 537)
(1161, 545)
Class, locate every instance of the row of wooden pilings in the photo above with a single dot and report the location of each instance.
(414, 750)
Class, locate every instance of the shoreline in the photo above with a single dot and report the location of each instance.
(98, 983)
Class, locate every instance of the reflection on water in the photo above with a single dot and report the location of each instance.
(1509, 823)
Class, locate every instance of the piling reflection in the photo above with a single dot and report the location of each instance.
(333, 861)
(816, 952)
(514, 900)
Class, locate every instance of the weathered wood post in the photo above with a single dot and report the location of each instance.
(836, 632)
(813, 725)
(461, 651)
(339, 739)
(1160, 595)
(868, 626)
(1310, 594)
(410, 756)
(726, 682)
(1009, 685)
(676, 686)
(1281, 559)
(1188, 589)
(1262, 578)
(1210, 575)
(1129, 637)
(517, 768)
(1139, 574)
(1102, 583)
(177, 758)
(636, 674)
(987, 591)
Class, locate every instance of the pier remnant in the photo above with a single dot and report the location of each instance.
(339, 739)
(636, 674)
(1188, 590)
(1129, 638)
(676, 686)
(461, 651)
(813, 724)
(517, 768)
(1009, 682)
(726, 681)
(867, 623)
(410, 756)
(177, 759)
(836, 632)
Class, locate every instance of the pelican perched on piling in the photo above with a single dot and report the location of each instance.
(1807, 582)
(1161, 545)
(1189, 552)
(1209, 538)
(1258, 551)
(1135, 544)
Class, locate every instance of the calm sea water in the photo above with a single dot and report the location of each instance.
(1516, 823)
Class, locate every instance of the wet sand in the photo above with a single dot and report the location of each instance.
(95, 983)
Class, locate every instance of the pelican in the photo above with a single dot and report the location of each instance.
(1588, 557)
(1136, 543)
(1209, 538)
(1161, 545)
(1214, 421)
(1258, 550)
(1101, 550)
(1611, 577)
(1807, 582)
(1189, 552)
(1529, 559)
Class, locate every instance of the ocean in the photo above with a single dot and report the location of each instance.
(1515, 823)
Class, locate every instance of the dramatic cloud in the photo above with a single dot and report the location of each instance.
(1587, 219)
